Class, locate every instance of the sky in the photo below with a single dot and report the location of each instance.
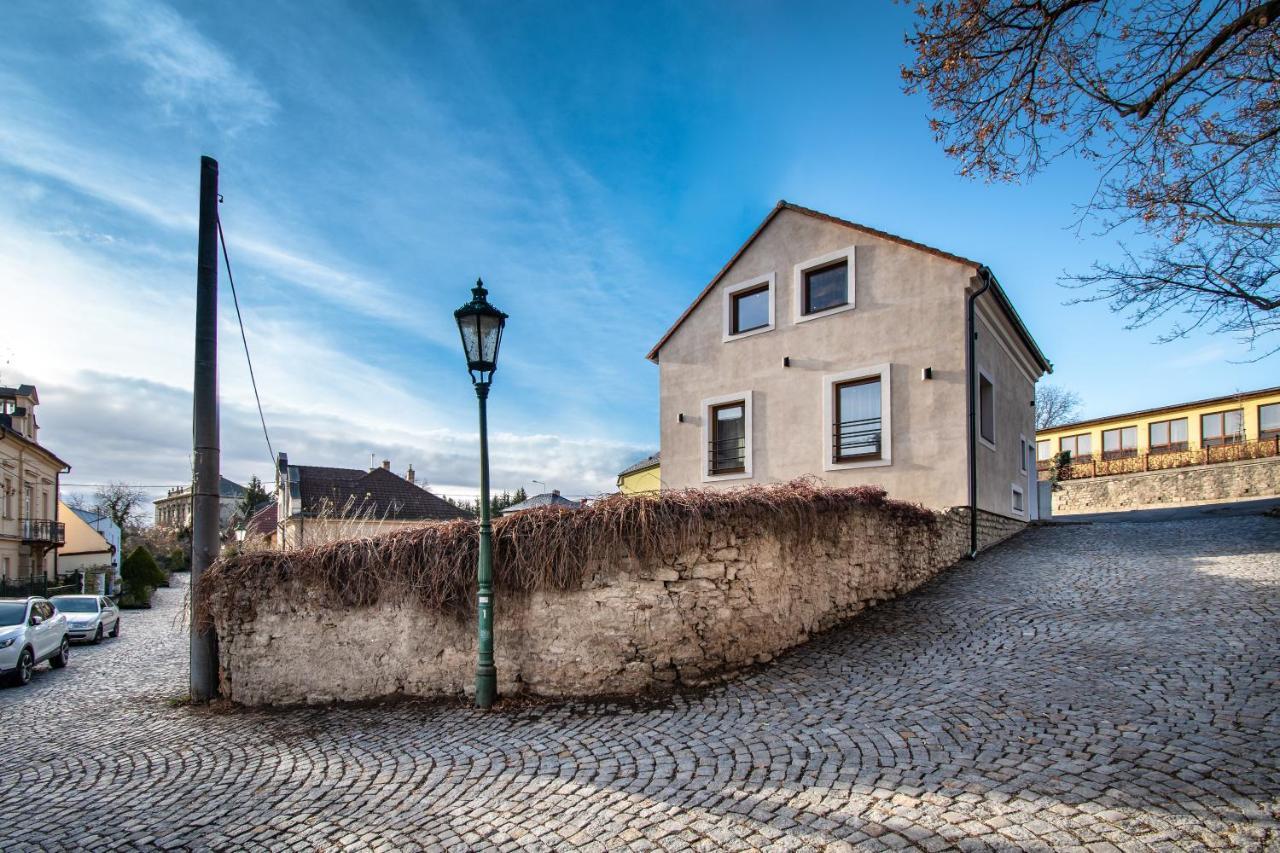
(596, 163)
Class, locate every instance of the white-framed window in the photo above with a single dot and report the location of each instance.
(856, 419)
(1022, 453)
(824, 285)
(726, 437)
(986, 409)
(1043, 450)
(749, 307)
(1019, 501)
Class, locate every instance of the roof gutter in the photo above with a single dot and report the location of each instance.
(970, 384)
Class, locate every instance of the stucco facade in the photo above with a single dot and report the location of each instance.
(30, 530)
(906, 313)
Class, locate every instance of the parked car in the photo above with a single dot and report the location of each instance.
(31, 631)
(88, 616)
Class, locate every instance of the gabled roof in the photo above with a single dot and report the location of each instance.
(263, 522)
(379, 493)
(20, 391)
(1001, 297)
(647, 462)
(80, 537)
(544, 499)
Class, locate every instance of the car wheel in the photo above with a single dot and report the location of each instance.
(59, 660)
(97, 635)
(26, 663)
(115, 629)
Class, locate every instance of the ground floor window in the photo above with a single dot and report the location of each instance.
(1168, 436)
(1019, 501)
(726, 436)
(856, 418)
(1079, 446)
(1120, 443)
(1222, 428)
(1269, 421)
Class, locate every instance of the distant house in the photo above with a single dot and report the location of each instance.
(173, 511)
(87, 551)
(30, 528)
(110, 531)
(826, 348)
(552, 498)
(320, 504)
(643, 477)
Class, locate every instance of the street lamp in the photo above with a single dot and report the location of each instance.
(240, 532)
(480, 325)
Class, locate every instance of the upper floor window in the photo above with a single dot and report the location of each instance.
(726, 435)
(1167, 436)
(824, 285)
(1222, 428)
(1077, 445)
(986, 409)
(748, 307)
(1044, 450)
(1120, 443)
(1269, 421)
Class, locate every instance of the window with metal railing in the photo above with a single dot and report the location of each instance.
(856, 432)
(1167, 436)
(727, 447)
(1220, 428)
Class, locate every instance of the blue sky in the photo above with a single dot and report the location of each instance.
(596, 163)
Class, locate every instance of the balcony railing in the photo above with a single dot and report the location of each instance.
(44, 532)
(1161, 459)
(727, 456)
(856, 439)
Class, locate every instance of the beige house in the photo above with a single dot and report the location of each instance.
(831, 349)
(30, 530)
(87, 551)
(316, 504)
(173, 511)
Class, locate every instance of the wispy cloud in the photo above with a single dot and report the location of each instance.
(184, 72)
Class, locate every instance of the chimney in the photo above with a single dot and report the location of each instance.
(409, 476)
(555, 493)
(386, 464)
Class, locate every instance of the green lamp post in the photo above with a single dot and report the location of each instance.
(480, 325)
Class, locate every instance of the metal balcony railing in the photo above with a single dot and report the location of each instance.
(43, 531)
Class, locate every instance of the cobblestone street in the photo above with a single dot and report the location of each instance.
(1101, 687)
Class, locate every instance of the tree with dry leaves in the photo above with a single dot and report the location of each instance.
(1178, 103)
(1056, 406)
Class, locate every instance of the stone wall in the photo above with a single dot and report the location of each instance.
(738, 596)
(1223, 481)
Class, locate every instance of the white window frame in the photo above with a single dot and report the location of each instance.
(1015, 493)
(771, 281)
(977, 409)
(704, 459)
(801, 268)
(827, 443)
(1022, 456)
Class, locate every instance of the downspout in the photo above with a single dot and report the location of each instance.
(57, 513)
(971, 335)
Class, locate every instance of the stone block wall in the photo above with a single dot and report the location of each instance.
(738, 596)
(1223, 481)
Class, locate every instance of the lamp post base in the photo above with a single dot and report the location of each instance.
(486, 685)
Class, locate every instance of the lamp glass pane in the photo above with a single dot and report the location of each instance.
(469, 327)
(489, 333)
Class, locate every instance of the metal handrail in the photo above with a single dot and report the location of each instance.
(43, 530)
(847, 438)
(722, 462)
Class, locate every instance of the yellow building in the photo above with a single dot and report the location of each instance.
(1249, 421)
(30, 530)
(644, 477)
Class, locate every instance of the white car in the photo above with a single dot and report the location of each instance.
(88, 616)
(31, 631)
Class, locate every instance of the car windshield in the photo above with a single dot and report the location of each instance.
(12, 612)
(76, 605)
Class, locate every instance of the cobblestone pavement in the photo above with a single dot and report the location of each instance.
(1097, 687)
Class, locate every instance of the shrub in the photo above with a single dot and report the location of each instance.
(141, 575)
(178, 560)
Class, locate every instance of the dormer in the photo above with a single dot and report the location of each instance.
(18, 410)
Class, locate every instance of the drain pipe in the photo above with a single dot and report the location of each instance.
(971, 334)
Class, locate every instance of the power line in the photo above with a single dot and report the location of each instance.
(222, 238)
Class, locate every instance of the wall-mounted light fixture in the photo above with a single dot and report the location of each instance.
(786, 361)
(680, 417)
(927, 373)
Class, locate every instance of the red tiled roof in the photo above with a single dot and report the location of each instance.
(379, 493)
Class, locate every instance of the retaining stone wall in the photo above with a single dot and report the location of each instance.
(1223, 481)
(736, 598)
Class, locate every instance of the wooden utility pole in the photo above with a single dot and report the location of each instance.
(206, 445)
